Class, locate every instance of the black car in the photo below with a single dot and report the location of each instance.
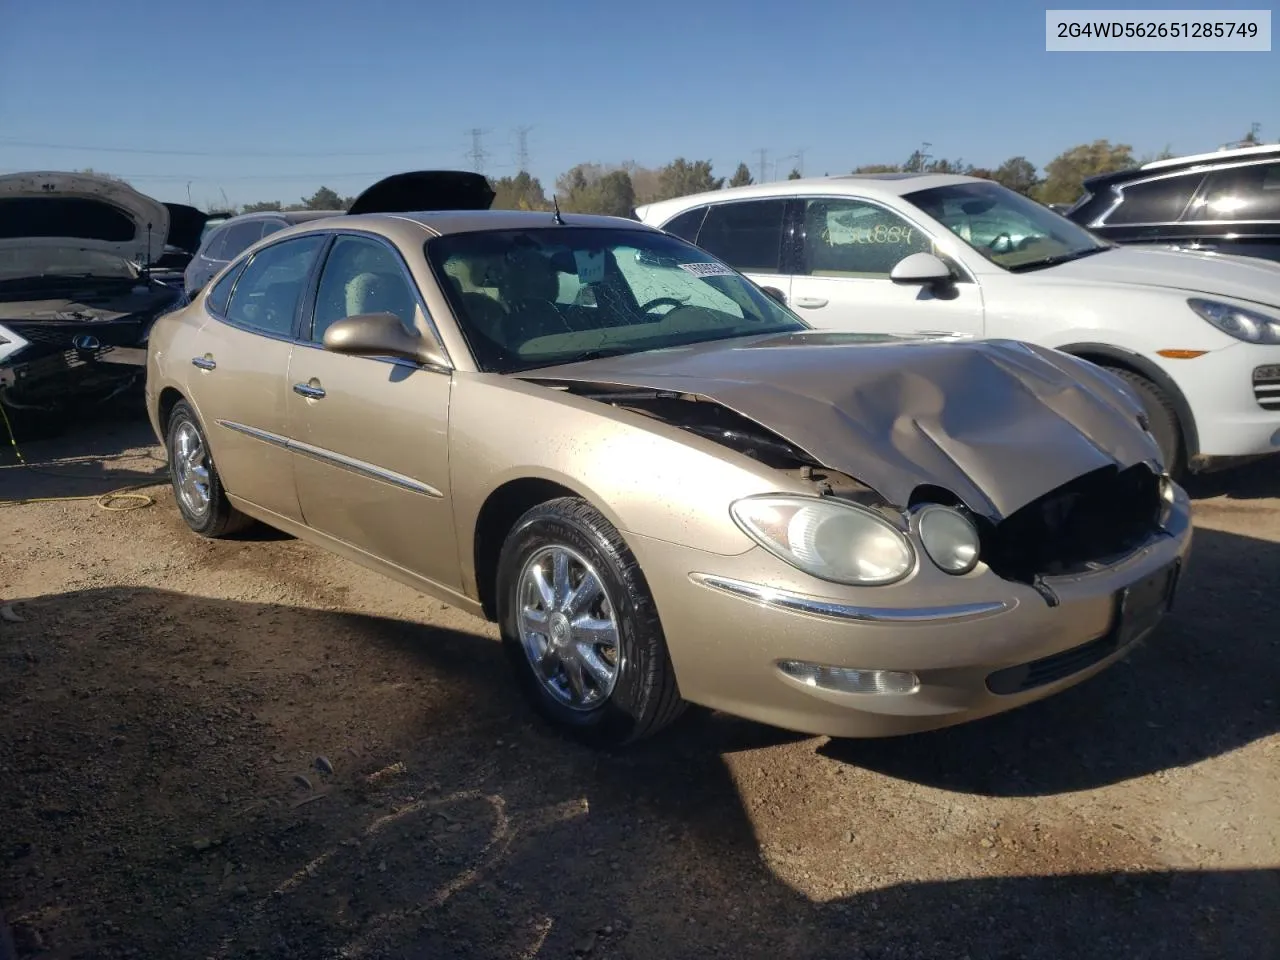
(77, 295)
(1226, 202)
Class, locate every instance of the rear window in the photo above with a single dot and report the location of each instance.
(1155, 201)
(746, 234)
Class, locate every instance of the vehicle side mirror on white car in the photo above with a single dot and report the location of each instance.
(921, 268)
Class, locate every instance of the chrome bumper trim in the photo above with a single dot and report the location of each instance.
(834, 610)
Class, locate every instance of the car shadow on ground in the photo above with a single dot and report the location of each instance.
(1205, 683)
(152, 752)
(1259, 480)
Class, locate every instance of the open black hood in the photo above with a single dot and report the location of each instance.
(185, 225)
(426, 190)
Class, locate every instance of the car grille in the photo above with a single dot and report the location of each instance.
(1093, 520)
(63, 334)
(1051, 669)
(1266, 386)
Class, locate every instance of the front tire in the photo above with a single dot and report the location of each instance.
(1165, 426)
(581, 628)
(197, 487)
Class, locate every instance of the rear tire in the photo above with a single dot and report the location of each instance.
(1165, 425)
(571, 596)
(197, 486)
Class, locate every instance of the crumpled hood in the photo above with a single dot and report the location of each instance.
(81, 211)
(997, 422)
(1242, 278)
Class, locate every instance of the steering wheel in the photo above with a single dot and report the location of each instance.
(1003, 243)
(658, 301)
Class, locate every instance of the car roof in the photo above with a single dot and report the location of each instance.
(469, 221)
(441, 222)
(1224, 155)
(854, 184)
(1189, 162)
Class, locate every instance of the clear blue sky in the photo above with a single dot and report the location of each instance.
(271, 98)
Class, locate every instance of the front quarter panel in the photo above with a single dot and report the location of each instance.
(647, 478)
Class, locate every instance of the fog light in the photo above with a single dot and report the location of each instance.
(850, 680)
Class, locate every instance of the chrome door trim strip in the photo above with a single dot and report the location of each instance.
(361, 467)
(835, 610)
(274, 439)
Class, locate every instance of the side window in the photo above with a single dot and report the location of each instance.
(1156, 201)
(687, 224)
(1242, 193)
(271, 226)
(851, 238)
(221, 291)
(361, 276)
(745, 234)
(267, 295)
(239, 236)
(213, 248)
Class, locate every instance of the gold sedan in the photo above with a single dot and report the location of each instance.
(663, 485)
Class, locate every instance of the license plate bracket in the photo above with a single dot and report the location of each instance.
(1142, 605)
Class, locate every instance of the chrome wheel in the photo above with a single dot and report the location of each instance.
(191, 469)
(568, 627)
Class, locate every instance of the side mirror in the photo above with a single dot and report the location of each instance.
(921, 268)
(776, 294)
(381, 335)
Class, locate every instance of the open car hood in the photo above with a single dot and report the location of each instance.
(426, 190)
(997, 422)
(185, 226)
(83, 211)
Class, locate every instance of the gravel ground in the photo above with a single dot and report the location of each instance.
(254, 749)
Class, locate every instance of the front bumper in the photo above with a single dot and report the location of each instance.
(979, 645)
(1228, 406)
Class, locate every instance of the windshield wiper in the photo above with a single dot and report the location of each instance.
(1056, 259)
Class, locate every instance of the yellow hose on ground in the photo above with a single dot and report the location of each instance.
(106, 501)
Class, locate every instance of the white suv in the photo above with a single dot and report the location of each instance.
(1196, 335)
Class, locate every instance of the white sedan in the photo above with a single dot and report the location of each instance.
(1197, 336)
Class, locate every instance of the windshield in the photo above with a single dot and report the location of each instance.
(549, 295)
(1007, 228)
(36, 262)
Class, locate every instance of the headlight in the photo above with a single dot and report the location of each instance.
(10, 343)
(949, 539)
(1248, 325)
(829, 539)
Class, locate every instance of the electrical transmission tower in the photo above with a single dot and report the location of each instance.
(522, 149)
(478, 153)
(763, 154)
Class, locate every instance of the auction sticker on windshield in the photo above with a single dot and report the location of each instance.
(707, 269)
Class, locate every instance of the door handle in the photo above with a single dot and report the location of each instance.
(204, 363)
(811, 302)
(308, 391)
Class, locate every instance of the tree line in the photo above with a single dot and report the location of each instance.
(617, 189)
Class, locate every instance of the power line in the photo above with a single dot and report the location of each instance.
(522, 151)
(478, 153)
(763, 154)
(141, 151)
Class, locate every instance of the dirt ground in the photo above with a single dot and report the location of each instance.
(254, 749)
